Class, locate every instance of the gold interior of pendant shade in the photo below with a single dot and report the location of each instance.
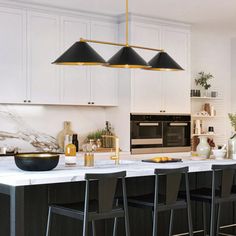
(81, 63)
(128, 66)
(161, 69)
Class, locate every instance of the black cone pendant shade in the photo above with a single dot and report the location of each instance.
(80, 53)
(127, 57)
(163, 62)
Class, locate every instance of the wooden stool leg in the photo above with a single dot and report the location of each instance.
(115, 226)
(94, 228)
(204, 218)
(218, 220)
(212, 226)
(49, 221)
(171, 222)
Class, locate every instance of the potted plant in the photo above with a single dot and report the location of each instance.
(203, 80)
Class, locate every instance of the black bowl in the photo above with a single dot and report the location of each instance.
(36, 161)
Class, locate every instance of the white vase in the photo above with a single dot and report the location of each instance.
(203, 148)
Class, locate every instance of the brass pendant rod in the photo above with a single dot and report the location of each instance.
(120, 44)
(127, 22)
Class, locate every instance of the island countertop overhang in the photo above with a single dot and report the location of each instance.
(12, 176)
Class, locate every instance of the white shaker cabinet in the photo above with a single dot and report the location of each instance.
(43, 48)
(155, 91)
(12, 56)
(75, 87)
(146, 86)
(176, 85)
(104, 79)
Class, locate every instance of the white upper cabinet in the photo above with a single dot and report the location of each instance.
(43, 48)
(161, 92)
(146, 85)
(12, 56)
(176, 85)
(104, 79)
(75, 79)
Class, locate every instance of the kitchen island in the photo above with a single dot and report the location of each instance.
(25, 196)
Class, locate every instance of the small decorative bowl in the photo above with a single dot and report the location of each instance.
(36, 161)
(219, 153)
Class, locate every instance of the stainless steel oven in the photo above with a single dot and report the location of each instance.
(160, 133)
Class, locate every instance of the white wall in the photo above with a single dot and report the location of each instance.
(211, 52)
(233, 75)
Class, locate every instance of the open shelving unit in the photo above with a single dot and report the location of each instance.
(206, 120)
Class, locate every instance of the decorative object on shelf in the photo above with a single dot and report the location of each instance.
(201, 113)
(202, 80)
(203, 148)
(75, 141)
(214, 94)
(211, 130)
(81, 53)
(195, 93)
(219, 154)
(207, 108)
(232, 140)
(66, 131)
(197, 127)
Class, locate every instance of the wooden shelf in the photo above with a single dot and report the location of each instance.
(196, 135)
(205, 98)
(206, 117)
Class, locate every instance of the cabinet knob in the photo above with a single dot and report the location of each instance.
(164, 111)
(29, 100)
(92, 102)
(25, 101)
(89, 102)
(160, 110)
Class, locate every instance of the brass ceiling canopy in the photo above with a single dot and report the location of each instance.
(81, 53)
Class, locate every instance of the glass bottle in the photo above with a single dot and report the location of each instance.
(75, 142)
(70, 155)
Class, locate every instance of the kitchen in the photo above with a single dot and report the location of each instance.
(38, 96)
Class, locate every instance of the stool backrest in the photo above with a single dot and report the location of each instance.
(226, 181)
(107, 185)
(173, 179)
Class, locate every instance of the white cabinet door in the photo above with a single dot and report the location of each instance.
(43, 48)
(75, 79)
(104, 79)
(12, 56)
(176, 85)
(146, 86)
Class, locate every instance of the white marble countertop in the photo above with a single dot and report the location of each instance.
(11, 175)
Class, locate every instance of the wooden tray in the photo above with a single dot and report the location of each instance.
(171, 161)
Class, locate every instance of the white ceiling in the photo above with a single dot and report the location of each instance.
(211, 12)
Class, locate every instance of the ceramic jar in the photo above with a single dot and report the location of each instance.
(203, 148)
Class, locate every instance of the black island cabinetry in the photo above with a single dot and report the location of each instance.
(24, 209)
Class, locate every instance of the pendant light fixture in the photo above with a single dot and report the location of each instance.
(81, 53)
(127, 57)
(163, 62)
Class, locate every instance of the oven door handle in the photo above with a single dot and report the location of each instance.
(179, 124)
(149, 124)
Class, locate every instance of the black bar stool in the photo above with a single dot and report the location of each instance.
(218, 193)
(103, 208)
(169, 201)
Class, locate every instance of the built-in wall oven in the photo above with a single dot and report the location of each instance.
(160, 133)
